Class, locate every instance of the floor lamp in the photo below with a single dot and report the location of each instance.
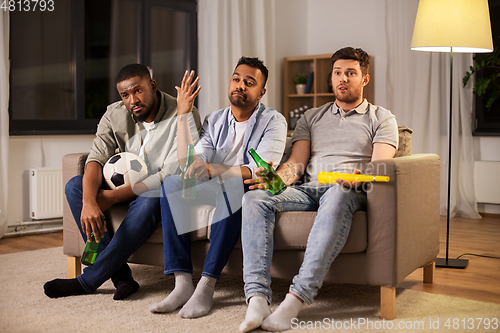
(452, 26)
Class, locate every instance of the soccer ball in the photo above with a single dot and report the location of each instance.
(124, 169)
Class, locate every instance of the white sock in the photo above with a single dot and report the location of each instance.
(257, 311)
(202, 300)
(178, 297)
(281, 319)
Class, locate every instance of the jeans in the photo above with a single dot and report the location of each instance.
(140, 222)
(335, 205)
(177, 222)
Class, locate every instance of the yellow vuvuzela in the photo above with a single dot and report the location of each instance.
(330, 177)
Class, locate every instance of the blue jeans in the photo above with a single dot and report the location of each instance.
(140, 222)
(177, 222)
(335, 205)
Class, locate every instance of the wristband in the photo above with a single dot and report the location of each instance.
(209, 173)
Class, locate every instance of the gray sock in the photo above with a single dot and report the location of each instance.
(178, 297)
(202, 300)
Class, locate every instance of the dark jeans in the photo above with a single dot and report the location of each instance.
(140, 222)
(178, 220)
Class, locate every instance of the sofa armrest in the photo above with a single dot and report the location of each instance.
(72, 165)
(404, 216)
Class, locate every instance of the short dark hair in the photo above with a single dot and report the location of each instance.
(353, 54)
(254, 63)
(132, 70)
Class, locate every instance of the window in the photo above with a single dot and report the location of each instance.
(64, 62)
(488, 121)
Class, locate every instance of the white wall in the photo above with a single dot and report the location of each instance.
(336, 24)
(487, 148)
(27, 152)
(291, 29)
(323, 26)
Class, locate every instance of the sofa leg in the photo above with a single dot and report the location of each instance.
(429, 272)
(74, 267)
(388, 303)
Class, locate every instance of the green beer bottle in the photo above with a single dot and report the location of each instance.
(276, 185)
(188, 184)
(91, 248)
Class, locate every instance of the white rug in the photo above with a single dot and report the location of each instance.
(338, 308)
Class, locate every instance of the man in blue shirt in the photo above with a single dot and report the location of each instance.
(221, 163)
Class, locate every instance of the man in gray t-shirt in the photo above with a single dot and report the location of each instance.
(343, 136)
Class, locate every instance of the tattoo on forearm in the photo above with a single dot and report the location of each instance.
(290, 173)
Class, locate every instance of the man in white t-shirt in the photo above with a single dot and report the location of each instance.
(221, 164)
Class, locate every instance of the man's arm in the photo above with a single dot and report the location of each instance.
(90, 217)
(294, 167)
(203, 170)
(185, 101)
(382, 151)
(186, 94)
(96, 200)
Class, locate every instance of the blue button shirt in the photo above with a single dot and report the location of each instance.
(265, 132)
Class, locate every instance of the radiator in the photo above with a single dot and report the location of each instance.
(46, 193)
(487, 181)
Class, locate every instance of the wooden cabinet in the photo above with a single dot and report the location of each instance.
(321, 92)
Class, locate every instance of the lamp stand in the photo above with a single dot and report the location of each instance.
(445, 262)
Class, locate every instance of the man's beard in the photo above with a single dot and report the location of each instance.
(143, 116)
(238, 101)
(149, 108)
(351, 97)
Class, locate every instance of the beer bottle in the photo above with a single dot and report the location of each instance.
(91, 248)
(273, 180)
(188, 184)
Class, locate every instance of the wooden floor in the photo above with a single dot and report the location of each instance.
(31, 242)
(480, 280)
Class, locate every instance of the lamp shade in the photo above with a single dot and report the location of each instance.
(463, 25)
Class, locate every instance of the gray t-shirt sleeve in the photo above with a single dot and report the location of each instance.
(387, 131)
(302, 130)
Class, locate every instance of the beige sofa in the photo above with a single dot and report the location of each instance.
(398, 234)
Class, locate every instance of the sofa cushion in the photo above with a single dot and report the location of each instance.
(404, 147)
(292, 231)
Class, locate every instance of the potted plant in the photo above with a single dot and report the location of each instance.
(489, 85)
(300, 81)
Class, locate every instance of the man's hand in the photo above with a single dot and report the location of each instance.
(348, 184)
(186, 93)
(199, 168)
(259, 183)
(92, 209)
(90, 219)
